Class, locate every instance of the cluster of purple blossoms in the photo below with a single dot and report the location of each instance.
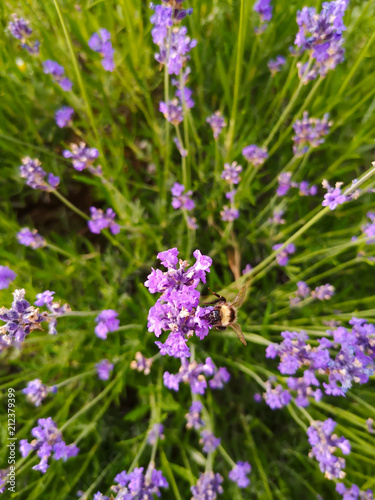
(57, 72)
(48, 440)
(35, 175)
(194, 418)
(369, 228)
(239, 474)
(310, 133)
(6, 277)
(102, 220)
(137, 484)
(208, 441)
(323, 292)
(231, 175)
(276, 397)
(82, 156)
(172, 111)
(183, 93)
(155, 433)
(63, 116)
(255, 155)
(334, 197)
(324, 444)
(282, 257)
(217, 123)
(36, 391)
(264, 9)
(208, 486)
(141, 363)
(104, 369)
(30, 238)
(20, 319)
(195, 375)
(180, 200)
(353, 493)
(101, 42)
(277, 217)
(275, 65)
(55, 309)
(106, 322)
(286, 183)
(247, 269)
(21, 30)
(183, 152)
(321, 35)
(177, 310)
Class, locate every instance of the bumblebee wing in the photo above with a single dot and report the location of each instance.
(236, 327)
(238, 301)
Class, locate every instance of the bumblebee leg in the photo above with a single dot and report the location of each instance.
(220, 297)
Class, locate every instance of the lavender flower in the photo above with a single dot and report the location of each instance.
(255, 155)
(20, 320)
(333, 198)
(104, 369)
(302, 385)
(6, 277)
(277, 217)
(30, 238)
(181, 200)
(217, 123)
(231, 173)
(35, 175)
(21, 30)
(57, 72)
(284, 180)
(282, 258)
(136, 484)
(178, 307)
(264, 9)
(183, 93)
(353, 493)
(275, 65)
(194, 418)
(229, 214)
(324, 444)
(239, 474)
(247, 269)
(207, 487)
(44, 298)
(101, 42)
(192, 223)
(141, 363)
(183, 152)
(155, 433)
(82, 156)
(100, 496)
(101, 220)
(106, 322)
(63, 116)
(276, 397)
(369, 228)
(310, 132)
(324, 292)
(3, 479)
(172, 111)
(36, 391)
(306, 190)
(48, 440)
(208, 441)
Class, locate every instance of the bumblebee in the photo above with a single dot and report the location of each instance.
(224, 314)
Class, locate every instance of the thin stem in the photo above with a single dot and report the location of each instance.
(183, 159)
(70, 205)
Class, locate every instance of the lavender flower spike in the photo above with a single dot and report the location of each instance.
(231, 172)
(6, 277)
(30, 238)
(106, 322)
(275, 65)
(63, 116)
(239, 474)
(282, 258)
(82, 156)
(101, 220)
(53, 68)
(101, 42)
(333, 198)
(35, 175)
(255, 155)
(217, 123)
(141, 363)
(36, 391)
(104, 369)
(264, 9)
(207, 487)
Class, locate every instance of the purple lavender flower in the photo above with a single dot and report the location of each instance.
(353, 493)
(303, 289)
(239, 474)
(277, 217)
(220, 378)
(370, 425)
(229, 214)
(19, 28)
(183, 152)
(162, 21)
(106, 322)
(141, 363)
(255, 155)
(44, 298)
(324, 292)
(30, 238)
(207, 487)
(258, 397)
(192, 223)
(101, 42)
(247, 269)
(284, 183)
(369, 229)
(282, 258)
(324, 444)
(181, 200)
(264, 9)
(208, 441)
(6, 277)
(306, 190)
(276, 397)
(172, 111)
(231, 173)
(104, 369)
(20, 320)
(35, 175)
(136, 484)
(100, 496)
(333, 198)
(302, 385)
(217, 123)
(275, 65)
(101, 220)
(310, 132)
(184, 96)
(36, 391)
(294, 352)
(3, 479)
(155, 433)
(194, 418)
(178, 307)
(48, 440)
(82, 156)
(63, 116)
(57, 72)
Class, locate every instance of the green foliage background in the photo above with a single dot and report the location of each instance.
(118, 114)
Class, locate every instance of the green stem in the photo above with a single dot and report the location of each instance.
(70, 205)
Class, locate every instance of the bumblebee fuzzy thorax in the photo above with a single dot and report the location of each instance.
(228, 314)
